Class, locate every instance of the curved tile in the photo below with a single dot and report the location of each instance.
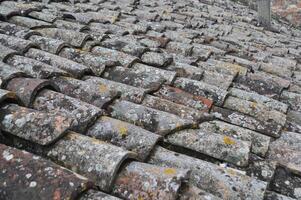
(38, 127)
(97, 160)
(27, 176)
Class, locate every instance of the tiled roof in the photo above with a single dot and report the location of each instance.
(140, 99)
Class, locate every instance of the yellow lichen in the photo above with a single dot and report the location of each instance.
(170, 171)
(253, 105)
(140, 198)
(123, 130)
(228, 140)
(114, 19)
(102, 88)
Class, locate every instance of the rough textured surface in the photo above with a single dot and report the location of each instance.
(153, 87)
(141, 180)
(124, 134)
(38, 127)
(75, 152)
(38, 178)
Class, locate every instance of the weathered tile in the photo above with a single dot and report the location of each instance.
(74, 68)
(259, 143)
(225, 183)
(71, 37)
(257, 98)
(156, 59)
(179, 48)
(48, 44)
(17, 31)
(215, 145)
(141, 180)
(257, 110)
(47, 17)
(96, 63)
(286, 149)
(27, 88)
(35, 68)
(27, 176)
(62, 24)
(129, 76)
(200, 88)
(186, 70)
(125, 59)
(269, 128)
(287, 181)
(220, 80)
(97, 160)
(83, 114)
(293, 121)
(29, 22)
(292, 99)
(87, 92)
(123, 134)
(181, 97)
(153, 120)
(174, 108)
(169, 76)
(127, 92)
(7, 73)
(38, 127)
(17, 44)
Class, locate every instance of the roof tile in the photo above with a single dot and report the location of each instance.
(38, 127)
(38, 178)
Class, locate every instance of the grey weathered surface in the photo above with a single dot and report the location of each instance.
(6, 53)
(174, 108)
(95, 159)
(156, 59)
(35, 68)
(269, 128)
(74, 38)
(38, 127)
(128, 92)
(225, 183)
(130, 76)
(117, 56)
(7, 73)
(87, 92)
(81, 113)
(264, 12)
(169, 76)
(75, 69)
(123, 134)
(221, 147)
(96, 63)
(29, 22)
(17, 31)
(287, 180)
(181, 97)
(39, 178)
(27, 88)
(293, 122)
(257, 110)
(153, 120)
(48, 44)
(218, 95)
(17, 44)
(254, 97)
(144, 181)
(259, 142)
